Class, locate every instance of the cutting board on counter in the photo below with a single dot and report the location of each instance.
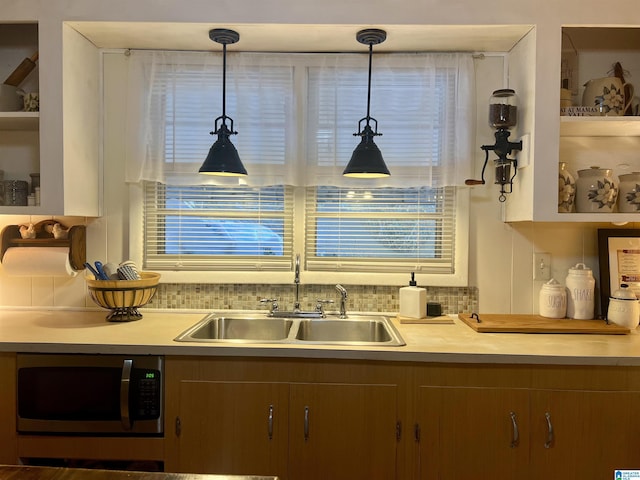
(519, 323)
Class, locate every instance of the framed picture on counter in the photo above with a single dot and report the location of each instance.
(619, 259)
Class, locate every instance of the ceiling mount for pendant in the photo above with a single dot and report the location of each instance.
(223, 158)
(366, 160)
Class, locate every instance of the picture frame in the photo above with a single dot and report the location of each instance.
(619, 261)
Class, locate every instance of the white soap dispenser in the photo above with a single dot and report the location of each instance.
(413, 300)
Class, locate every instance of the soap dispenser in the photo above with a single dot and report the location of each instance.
(413, 300)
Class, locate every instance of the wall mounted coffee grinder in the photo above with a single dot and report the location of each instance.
(503, 115)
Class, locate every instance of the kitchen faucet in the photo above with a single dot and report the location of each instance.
(296, 280)
(343, 300)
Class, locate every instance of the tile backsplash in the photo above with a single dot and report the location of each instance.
(364, 298)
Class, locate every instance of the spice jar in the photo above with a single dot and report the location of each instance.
(581, 286)
(15, 192)
(553, 300)
(503, 109)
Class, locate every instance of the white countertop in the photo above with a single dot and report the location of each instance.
(61, 331)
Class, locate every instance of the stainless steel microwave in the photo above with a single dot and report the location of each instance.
(90, 394)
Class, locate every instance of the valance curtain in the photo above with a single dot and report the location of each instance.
(296, 115)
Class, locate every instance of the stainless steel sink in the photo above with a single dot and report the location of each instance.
(357, 330)
(248, 329)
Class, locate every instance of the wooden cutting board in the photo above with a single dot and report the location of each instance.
(517, 323)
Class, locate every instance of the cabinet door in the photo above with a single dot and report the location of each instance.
(584, 434)
(467, 433)
(342, 431)
(231, 428)
(8, 439)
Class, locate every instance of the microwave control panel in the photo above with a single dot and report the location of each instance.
(148, 391)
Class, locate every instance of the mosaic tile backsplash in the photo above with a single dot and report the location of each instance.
(364, 298)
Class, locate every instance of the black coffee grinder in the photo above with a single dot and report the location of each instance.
(503, 114)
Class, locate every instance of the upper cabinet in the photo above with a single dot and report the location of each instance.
(577, 59)
(49, 121)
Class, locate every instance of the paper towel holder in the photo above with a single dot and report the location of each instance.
(76, 240)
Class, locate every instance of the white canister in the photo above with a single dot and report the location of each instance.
(624, 308)
(596, 190)
(566, 189)
(581, 291)
(553, 300)
(629, 196)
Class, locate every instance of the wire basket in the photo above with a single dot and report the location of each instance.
(123, 297)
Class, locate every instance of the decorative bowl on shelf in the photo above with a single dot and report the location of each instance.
(124, 297)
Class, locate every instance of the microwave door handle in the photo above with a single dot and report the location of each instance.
(125, 383)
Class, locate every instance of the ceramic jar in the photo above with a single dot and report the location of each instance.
(553, 300)
(607, 93)
(581, 291)
(624, 308)
(596, 190)
(566, 189)
(629, 195)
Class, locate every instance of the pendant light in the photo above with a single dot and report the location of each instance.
(366, 160)
(223, 158)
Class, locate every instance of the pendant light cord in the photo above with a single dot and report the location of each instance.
(224, 84)
(369, 84)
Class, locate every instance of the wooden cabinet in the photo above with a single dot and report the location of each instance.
(472, 432)
(222, 419)
(529, 422)
(583, 434)
(8, 441)
(61, 141)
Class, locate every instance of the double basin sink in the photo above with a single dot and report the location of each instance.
(356, 330)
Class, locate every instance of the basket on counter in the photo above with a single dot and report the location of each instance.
(124, 297)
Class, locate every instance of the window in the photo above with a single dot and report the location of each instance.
(296, 114)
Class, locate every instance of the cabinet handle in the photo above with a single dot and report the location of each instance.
(416, 432)
(306, 423)
(398, 430)
(550, 436)
(515, 435)
(178, 427)
(270, 423)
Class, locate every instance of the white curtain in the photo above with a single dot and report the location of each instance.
(296, 115)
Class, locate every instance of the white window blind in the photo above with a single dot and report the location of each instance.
(221, 228)
(296, 115)
(378, 230)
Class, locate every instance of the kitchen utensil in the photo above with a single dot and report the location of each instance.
(101, 273)
(581, 286)
(520, 323)
(618, 71)
(607, 93)
(624, 308)
(553, 300)
(566, 189)
(22, 71)
(596, 190)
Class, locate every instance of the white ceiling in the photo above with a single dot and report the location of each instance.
(302, 38)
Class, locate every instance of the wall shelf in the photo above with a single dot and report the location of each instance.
(12, 121)
(599, 126)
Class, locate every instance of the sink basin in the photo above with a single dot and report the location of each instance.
(367, 330)
(256, 329)
(357, 330)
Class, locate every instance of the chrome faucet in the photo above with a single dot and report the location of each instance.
(296, 280)
(343, 300)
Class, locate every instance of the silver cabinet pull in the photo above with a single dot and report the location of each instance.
(125, 383)
(270, 423)
(515, 435)
(550, 436)
(306, 423)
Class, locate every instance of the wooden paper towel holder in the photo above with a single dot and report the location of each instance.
(76, 240)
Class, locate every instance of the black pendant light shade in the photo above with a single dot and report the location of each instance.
(366, 160)
(223, 158)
